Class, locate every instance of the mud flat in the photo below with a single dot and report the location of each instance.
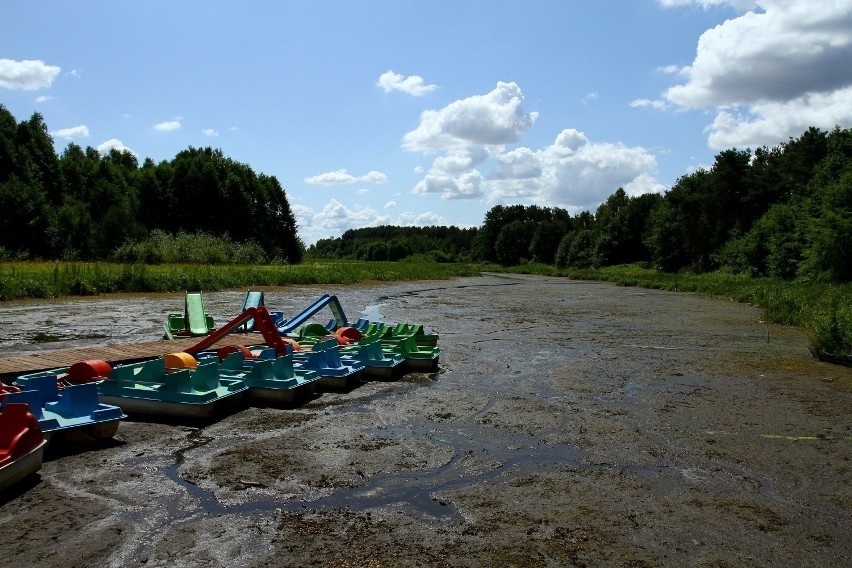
(571, 423)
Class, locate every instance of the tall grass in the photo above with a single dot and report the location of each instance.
(824, 309)
(56, 279)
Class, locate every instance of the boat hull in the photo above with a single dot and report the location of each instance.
(155, 407)
(381, 373)
(338, 382)
(87, 432)
(21, 468)
(272, 395)
(425, 364)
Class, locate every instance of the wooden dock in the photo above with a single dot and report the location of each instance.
(15, 365)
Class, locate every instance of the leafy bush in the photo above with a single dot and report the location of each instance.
(576, 250)
(195, 248)
(832, 329)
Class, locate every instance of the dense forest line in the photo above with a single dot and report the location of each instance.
(389, 242)
(88, 206)
(783, 212)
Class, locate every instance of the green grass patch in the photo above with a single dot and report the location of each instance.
(57, 279)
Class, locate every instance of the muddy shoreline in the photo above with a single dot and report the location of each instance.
(570, 423)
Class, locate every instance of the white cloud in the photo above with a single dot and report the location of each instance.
(787, 51)
(334, 219)
(168, 126)
(27, 75)
(337, 177)
(573, 172)
(521, 163)
(769, 123)
(737, 4)
(648, 103)
(337, 216)
(459, 161)
(673, 70)
(771, 72)
(374, 177)
(81, 131)
(467, 185)
(426, 219)
(642, 184)
(342, 177)
(43, 99)
(495, 118)
(412, 85)
(74, 74)
(113, 143)
(363, 191)
(589, 98)
(472, 134)
(212, 132)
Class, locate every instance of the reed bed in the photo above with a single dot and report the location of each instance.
(56, 279)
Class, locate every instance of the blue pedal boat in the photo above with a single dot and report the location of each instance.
(150, 387)
(73, 411)
(335, 372)
(270, 378)
(377, 363)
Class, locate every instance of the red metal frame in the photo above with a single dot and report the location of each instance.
(262, 323)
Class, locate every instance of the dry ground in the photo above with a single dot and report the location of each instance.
(571, 423)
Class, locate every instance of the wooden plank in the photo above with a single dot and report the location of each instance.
(12, 366)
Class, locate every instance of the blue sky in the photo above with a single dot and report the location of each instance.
(423, 113)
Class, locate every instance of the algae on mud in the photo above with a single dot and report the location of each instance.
(570, 423)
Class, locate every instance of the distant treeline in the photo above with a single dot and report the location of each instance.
(782, 212)
(88, 206)
(388, 242)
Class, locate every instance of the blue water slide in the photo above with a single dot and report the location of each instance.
(325, 300)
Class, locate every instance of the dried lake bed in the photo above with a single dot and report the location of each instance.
(570, 423)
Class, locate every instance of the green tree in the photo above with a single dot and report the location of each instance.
(8, 150)
(829, 256)
(513, 242)
(23, 217)
(577, 250)
(665, 238)
(547, 235)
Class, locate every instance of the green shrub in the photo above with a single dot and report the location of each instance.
(832, 330)
(190, 248)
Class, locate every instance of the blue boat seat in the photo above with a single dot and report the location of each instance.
(46, 386)
(76, 400)
(206, 377)
(148, 372)
(179, 381)
(283, 368)
(30, 397)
